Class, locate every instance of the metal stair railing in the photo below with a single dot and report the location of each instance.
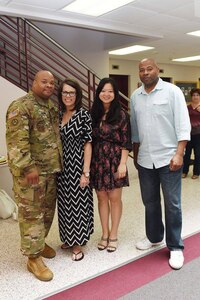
(25, 49)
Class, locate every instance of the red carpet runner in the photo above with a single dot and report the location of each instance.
(125, 279)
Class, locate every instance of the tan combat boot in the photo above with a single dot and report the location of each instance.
(39, 269)
(48, 252)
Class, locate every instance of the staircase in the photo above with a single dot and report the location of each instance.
(25, 49)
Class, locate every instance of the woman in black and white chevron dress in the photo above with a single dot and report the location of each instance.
(75, 201)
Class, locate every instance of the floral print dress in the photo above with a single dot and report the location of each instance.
(108, 142)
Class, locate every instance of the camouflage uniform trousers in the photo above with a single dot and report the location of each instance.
(36, 204)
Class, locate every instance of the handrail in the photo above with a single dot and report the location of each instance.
(60, 47)
(124, 96)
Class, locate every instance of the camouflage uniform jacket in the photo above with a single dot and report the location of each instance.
(32, 136)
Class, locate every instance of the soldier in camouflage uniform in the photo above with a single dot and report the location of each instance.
(34, 157)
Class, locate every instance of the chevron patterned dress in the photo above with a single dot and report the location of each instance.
(75, 204)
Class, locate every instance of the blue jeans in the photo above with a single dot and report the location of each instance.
(150, 182)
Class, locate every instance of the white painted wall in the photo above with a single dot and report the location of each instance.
(9, 92)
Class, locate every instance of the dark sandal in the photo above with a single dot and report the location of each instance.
(101, 245)
(75, 256)
(65, 246)
(112, 245)
(195, 176)
(184, 175)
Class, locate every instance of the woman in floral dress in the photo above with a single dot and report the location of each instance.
(111, 146)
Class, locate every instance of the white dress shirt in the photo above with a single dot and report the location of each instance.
(159, 120)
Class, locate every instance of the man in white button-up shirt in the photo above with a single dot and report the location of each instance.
(160, 131)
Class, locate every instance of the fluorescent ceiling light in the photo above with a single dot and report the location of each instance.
(196, 33)
(190, 58)
(129, 50)
(95, 7)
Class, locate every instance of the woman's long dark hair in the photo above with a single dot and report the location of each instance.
(73, 83)
(98, 111)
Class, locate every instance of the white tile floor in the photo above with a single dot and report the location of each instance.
(17, 283)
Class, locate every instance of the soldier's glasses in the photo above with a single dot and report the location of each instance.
(70, 94)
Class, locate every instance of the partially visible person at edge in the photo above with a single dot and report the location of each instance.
(161, 125)
(75, 201)
(194, 144)
(111, 146)
(34, 157)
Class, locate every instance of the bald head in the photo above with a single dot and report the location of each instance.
(43, 84)
(149, 61)
(42, 73)
(148, 72)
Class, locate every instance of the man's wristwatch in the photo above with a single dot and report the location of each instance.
(86, 174)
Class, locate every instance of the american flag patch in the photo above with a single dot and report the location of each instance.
(13, 114)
